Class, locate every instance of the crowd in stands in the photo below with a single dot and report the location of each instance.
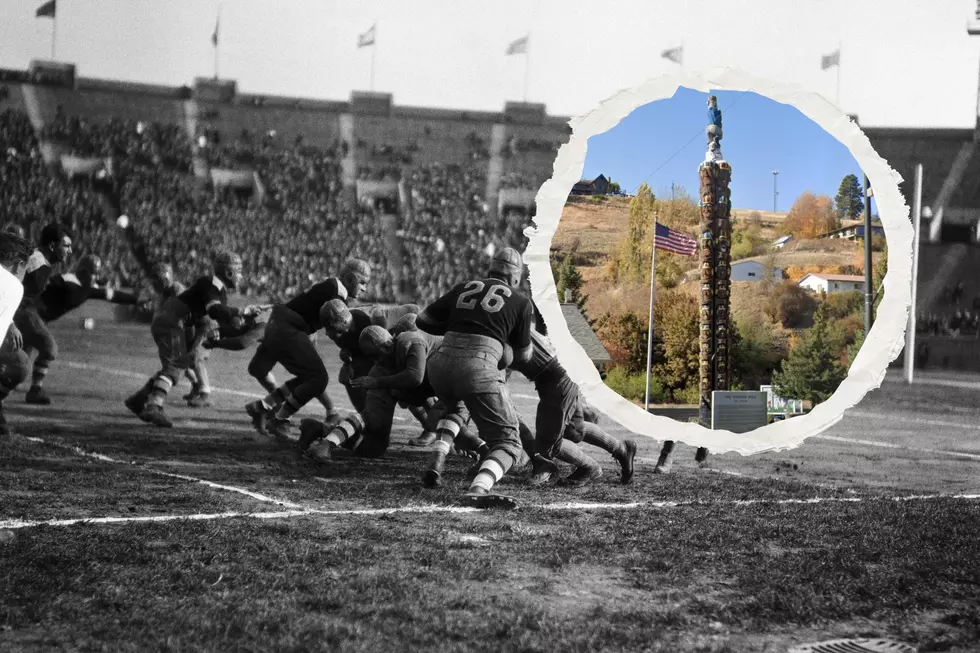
(301, 231)
(956, 321)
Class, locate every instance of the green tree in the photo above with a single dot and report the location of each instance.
(849, 203)
(625, 337)
(676, 348)
(812, 371)
(569, 278)
(758, 349)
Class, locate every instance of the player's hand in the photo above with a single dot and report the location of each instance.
(15, 337)
(251, 310)
(365, 382)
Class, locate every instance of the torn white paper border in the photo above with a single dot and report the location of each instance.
(883, 344)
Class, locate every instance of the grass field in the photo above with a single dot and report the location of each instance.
(208, 537)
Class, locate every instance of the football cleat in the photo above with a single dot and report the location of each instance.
(627, 462)
(479, 498)
(310, 430)
(37, 396)
(424, 439)
(544, 470)
(135, 404)
(321, 451)
(281, 430)
(153, 414)
(664, 463)
(260, 416)
(582, 476)
(200, 400)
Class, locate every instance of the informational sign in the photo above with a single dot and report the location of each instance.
(738, 411)
(776, 404)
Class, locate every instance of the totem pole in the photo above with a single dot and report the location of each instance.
(715, 258)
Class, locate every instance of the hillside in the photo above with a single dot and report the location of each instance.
(594, 228)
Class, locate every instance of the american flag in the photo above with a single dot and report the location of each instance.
(675, 241)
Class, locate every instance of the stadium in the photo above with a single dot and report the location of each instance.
(207, 536)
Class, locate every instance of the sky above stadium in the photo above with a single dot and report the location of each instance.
(902, 62)
(663, 142)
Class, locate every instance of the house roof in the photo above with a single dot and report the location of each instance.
(783, 239)
(584, 335)
(835, 277)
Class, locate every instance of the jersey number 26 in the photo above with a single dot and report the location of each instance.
(492, 302)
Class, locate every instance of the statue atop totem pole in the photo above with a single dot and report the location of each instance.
(714, 131)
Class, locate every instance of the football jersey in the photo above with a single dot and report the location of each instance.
(192, 305)
(412, 349)
(487, 307)
(543, 357)
(307, 304)
(63, 293)
(35, 279)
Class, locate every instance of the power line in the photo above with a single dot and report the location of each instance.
(684, 146)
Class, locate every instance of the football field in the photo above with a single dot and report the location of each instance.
(119, 536)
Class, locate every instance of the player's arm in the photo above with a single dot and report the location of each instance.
(435, 317)
(387, 318)
(520, 336)
(110, 294)
(409, 378)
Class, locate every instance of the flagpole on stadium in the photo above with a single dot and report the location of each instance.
(839, 46)
(917, 224)
(54, 33)
(527, 62)
(374, 51)
(653, 291)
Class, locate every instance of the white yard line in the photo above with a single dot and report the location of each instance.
(890, 445)
(19, 524)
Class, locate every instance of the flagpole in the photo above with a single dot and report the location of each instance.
(374, 50)
(527, 62)
(910, 327)
(653, 292)
(839, 45)
(216, 40)
(54, 33)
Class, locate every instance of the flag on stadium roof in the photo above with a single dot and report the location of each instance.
(518, 47)
(674, 241)
(46, 10)
(214, 36)
(828, 60)
(367, 38)
(673, 54)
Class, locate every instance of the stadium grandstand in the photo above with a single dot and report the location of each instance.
(948, 296)
(293, 184)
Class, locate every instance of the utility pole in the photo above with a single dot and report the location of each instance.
(774, 191)
(868, 290)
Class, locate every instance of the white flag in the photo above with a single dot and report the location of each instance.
(673, 54)
(518, 47)
(829, 60)
(367, 38)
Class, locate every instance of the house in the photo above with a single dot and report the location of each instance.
(854, 232)
(830, 283)
(749, 270)
(587, 339)
(782, 242)
(597, 186)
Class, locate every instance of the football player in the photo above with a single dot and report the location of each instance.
(15, 251)
(560, 422)
(398, 375)
(208, 297)
(54, 247)
(478, 318)
(287, 341)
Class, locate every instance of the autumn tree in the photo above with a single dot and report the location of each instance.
(849, 202)
(810, 216)
(676, 347)
(630, 260)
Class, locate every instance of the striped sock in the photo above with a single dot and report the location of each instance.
(161, 388)
(599, 438)
(492, 469)
(350, 427)
(40, 371)
(275, 398)
(287, 408)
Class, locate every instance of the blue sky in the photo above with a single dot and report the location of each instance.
(760, 135)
